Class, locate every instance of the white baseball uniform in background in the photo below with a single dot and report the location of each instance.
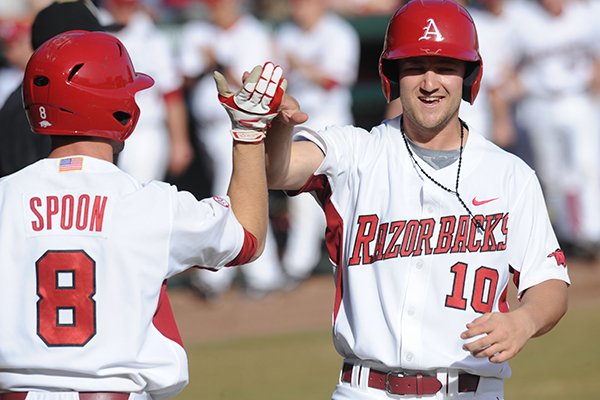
(594, 9)
(241, 47)
(146, 153)
(555, 60)
(85, 251)
(411, 268)
(10, 79)
(326, 105)
(493, 32)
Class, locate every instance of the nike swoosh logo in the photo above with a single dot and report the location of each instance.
(482, 202)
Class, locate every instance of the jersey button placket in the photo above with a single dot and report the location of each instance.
(411, 313)
(430, 202)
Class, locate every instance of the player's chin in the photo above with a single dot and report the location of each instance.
(434, 120)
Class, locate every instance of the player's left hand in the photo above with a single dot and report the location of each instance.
(254, 106)
(504, 335)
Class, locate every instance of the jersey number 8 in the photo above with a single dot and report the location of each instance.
(66, 312)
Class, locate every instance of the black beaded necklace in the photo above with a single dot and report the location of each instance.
(460, 151)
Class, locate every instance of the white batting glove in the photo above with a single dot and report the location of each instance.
(254, 106)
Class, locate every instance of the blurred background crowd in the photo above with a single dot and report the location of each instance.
(540, 99)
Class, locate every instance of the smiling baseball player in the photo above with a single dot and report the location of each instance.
(426, 223)
(86, 248)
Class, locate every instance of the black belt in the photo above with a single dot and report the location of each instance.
(82, 396)
(417, 384)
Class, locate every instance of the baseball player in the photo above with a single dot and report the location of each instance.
(86, 248)
(231, 41)
(426, 223)
(556, 71)
(491, 114)
(321, 76)
(161, 144)
(16, 49)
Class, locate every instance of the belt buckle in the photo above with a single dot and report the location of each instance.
(388, 387)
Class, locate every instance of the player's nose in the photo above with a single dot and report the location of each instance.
(429, 81)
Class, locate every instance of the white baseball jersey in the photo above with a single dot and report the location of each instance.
(10, 79)
(332, 104)
(411, 268)
(85, 250)
(146, 153)
(493, 32)
(555, 53)
(238, 48)
(329, 104)
(556, 57)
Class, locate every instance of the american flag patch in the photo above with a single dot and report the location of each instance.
(70, 164)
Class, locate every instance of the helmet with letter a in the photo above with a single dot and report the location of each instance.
(83, 83)
(441, 28)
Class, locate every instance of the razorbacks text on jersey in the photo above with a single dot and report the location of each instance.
(412, 267)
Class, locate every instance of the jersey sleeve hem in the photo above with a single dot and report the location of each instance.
(523, 286)
(247, 251)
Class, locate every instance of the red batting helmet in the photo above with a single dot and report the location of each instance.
(83, 84)
(431, 28)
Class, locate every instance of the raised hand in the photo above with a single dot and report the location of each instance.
(254, 106)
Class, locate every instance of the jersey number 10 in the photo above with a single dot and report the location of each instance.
(484, 289)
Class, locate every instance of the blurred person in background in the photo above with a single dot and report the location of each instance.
(19, 146)
(320, 52)
(365, 7)
(491, 115)
(14, 10)
(161, 144)
(15, 41)
(594, 6)
(35, 6)
(231, 41)
(557, 63)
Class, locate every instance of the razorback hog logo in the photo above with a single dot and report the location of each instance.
(431, 31)
(559, 256)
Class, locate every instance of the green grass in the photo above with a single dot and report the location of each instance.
(292, 367)
(561, 365)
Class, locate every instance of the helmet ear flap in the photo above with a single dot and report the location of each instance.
(472, 81)
(389, 84)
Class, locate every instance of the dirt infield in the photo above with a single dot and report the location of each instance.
(306, 308)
